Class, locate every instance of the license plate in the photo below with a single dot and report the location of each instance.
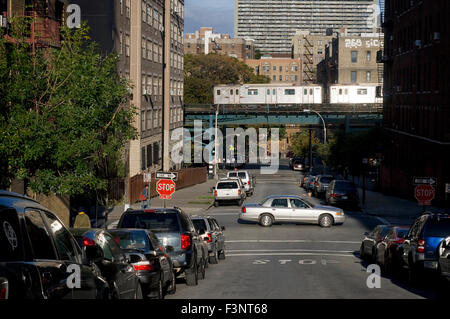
(431, 264)
(344, 197)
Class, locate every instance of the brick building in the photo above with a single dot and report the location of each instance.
(416, 95)
(206, 41)
(279, 70)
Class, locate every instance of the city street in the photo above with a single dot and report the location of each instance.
(292, 261)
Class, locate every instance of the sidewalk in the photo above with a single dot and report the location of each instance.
(380, 205)
(193, 200)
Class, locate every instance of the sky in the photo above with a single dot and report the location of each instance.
(218, 14)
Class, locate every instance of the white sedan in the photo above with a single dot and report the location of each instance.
(291, 208)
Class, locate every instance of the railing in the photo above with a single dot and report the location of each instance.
(186, 177)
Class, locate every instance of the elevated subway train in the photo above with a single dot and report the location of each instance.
(273, 94)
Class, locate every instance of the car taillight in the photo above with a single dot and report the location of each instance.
(143, 266)
(3, 288)
(209, 238)
(421, 246)
(149, 211)
(248, 183)
(87, 242)
(215, 193)
(335, 195)
(185, 241)
(239, 192)
(244, 210)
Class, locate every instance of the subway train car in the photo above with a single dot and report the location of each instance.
(355, 94)
(267, 94)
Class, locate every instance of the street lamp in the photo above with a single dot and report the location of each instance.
(215, 143)
(323, 121)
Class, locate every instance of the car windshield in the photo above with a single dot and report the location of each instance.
(326, 179)
(227, 185)
(132, 240)
(156, 222)
(345, 186)
(199, 224)
(438, 227)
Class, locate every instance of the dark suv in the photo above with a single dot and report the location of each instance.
(420, 249)
(176, 232)
(39, 257)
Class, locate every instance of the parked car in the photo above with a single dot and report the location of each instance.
(36, 252)
(291, 208)
(388, 249)
(298, 165)
(321, 184)
(229, 190)
(111, 261)
(342, 193)
(149, 259)
(444, 258)
(368, 249)
(246, 179)
(213, 233)
(309, 185)
(420, 250)
(174, 228)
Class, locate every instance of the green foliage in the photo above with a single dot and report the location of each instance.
(64, 115)
(258, 54)
(300, 145)
(203, 72)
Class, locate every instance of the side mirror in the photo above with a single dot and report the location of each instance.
(93, 254)
(169, 249)
(223, 227)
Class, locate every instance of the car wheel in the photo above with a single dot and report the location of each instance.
(192, 275)
(266, 220)
(214, 259)
(172, 288)
(222, 255)
(216, 203)
(326, 220)
(362, 255)
(202, 270)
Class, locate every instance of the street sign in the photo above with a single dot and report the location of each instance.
(167, 175)
(165, 188)
(424, 194)
(425, 181)
(147, 177)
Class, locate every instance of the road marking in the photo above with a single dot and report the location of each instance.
(292, 250)
(289, 254)
(292, 241)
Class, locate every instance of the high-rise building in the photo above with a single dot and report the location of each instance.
(273, 23)
(134, 30)
(416, 95)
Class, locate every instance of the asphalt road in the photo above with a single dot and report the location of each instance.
(292, 261)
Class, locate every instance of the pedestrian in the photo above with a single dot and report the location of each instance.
(82, 220)
(145, 197)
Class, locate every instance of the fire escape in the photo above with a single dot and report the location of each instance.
(308, 64)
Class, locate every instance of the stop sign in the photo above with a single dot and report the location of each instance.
(165, 188)
(424, 194)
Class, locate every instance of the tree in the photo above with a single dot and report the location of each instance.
(258, 54)
(64, 115)
(203, 72)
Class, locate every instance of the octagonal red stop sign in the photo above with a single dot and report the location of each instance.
(424, 193)
(165, 188)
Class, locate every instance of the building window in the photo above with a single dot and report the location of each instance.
(127, 9)
(274, 67)
(287, 68)
(127, 45)
(287, 78)
(319, 42)
(143, 83)
(121, 42)
(368, 76)
(149, 50)
(281, 69)
(218, 92)
(144, 11)
(274, 78)
(354, 56)
(281, 78)
(143, 121)
(121, 6)
(353, 77)
(149, 14)
(369, 56)
(143, 158)
(144, 48)
(149, 155)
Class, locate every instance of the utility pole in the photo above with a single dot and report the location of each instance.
(310, 150)
(166, 88)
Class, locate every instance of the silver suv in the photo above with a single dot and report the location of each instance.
(230, 189)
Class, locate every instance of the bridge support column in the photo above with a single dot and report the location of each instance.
(347, 122)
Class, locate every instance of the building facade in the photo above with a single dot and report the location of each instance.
(279, 70)
(134, 30)
(206, 41)
(416, 95)
(310, 49)
(273, 23)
